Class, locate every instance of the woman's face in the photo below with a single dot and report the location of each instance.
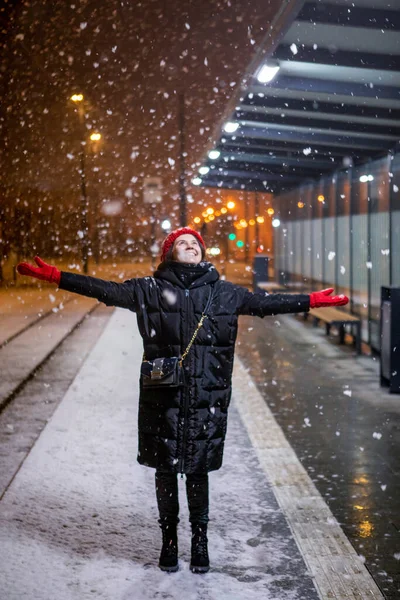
(187, 249)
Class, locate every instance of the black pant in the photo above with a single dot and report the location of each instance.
(167, 497)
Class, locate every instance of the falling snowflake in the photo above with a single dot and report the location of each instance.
(170, 296)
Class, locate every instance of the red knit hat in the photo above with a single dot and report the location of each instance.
(171, 237)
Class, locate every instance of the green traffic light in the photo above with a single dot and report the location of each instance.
(239, 244)
(232, 236)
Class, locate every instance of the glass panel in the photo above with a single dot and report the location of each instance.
(343, 254)
(317, 250)
(380, 267)
(330, 257)
(307, 248)
(297, 254)
(359, 264)
(396, 248)
(290, 247)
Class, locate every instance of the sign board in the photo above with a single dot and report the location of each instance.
(152, 190)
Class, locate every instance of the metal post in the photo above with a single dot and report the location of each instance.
(390, 170)
(369, 259)
(84, 214)
(84, 197)
(182, 190)
(153, 236)
(257, 225)
(246, 232)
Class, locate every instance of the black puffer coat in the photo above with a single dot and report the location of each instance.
(182, 430)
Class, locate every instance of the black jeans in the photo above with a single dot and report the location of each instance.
(167, 497)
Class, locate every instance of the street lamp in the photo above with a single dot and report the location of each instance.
(78, 100)
(95, 137)
(77, 97)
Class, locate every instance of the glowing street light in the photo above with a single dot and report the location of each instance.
(321, 198)
(260, 219)
(270, 211)
(77, 98)
(210, 211)
(224, 210)
(230, 205)
(276, 223)
(196, 220)
(95, 137)
(300, 204)
(214, 154)
(204, 170)
(196, 180)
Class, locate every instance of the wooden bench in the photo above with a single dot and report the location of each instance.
(333, 317)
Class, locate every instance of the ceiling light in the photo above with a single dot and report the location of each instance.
(267, 73)
(204, 170)
(231, 127)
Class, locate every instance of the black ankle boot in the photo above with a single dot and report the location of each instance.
(169, 551)
(199, 562)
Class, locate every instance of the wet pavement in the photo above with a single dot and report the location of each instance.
(343, 426)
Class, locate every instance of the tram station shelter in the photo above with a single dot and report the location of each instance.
(317, 123)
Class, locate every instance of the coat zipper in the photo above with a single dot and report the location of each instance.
(186, 395)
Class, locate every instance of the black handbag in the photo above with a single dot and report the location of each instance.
(168, 372)
(161, 372)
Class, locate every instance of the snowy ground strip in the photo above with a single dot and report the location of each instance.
(337, 569)
(79, 520)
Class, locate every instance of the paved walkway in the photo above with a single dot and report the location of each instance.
(79, 520)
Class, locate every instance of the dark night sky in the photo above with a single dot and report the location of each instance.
(129, 59)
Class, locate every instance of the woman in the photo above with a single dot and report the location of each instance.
(182, 429)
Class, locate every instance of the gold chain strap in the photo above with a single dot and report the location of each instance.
(200, 323)
(184, 355)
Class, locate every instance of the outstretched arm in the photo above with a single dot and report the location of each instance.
(261, 304)
(111, 293)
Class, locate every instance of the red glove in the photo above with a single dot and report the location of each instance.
(45, 272)
(324, 298)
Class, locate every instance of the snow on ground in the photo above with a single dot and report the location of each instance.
(79, 520)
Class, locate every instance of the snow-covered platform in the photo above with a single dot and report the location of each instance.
(79, 520)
